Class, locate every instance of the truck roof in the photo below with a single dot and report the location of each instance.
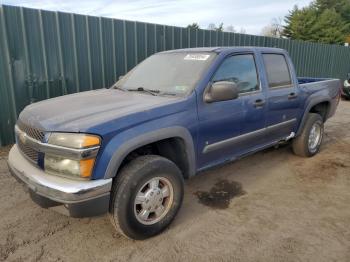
(220, 49)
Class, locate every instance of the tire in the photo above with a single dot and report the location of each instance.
(301, 145)
(130, 218)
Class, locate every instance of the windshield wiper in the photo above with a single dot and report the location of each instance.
(115, 86)
(153, 92)
(141, 89)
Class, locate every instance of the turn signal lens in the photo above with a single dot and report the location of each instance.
(89, 140)
(86, 167)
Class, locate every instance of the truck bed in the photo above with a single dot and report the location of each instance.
(316, 84)
(309, 80)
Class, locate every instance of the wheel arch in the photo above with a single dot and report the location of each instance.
(319, 106)
(187, 163)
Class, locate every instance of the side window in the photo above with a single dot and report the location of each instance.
(277, 70)
(241, 70)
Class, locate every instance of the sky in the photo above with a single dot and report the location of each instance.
(251, 15)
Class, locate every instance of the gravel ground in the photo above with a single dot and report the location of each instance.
(278, 207)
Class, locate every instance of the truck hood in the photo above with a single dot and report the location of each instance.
(81, 111)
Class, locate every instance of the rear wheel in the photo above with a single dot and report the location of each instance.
(309, 142)
(146, 196)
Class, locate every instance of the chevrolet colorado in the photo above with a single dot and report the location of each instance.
(126, 150)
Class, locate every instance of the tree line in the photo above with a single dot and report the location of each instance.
(322, 21)
(219, 28)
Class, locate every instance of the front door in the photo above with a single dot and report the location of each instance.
(228, 128)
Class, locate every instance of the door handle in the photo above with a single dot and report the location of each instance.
(259, 103)
(292, 96)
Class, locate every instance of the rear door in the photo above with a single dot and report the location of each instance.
(283, 97)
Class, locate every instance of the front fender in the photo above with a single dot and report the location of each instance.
(143, 139)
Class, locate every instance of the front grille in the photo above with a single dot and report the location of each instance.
(28, 151)
(37, 134)
(31, 131)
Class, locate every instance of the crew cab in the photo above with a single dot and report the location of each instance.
(127, 149)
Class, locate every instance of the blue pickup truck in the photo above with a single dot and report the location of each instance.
(126, 150)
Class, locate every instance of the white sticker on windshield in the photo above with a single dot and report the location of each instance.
(198, 57)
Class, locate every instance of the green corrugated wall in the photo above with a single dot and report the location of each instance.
(45, 54)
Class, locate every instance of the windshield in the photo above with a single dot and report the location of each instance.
(167, 73)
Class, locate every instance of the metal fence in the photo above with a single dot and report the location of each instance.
(45, 54)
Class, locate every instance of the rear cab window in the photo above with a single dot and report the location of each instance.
(277, 70)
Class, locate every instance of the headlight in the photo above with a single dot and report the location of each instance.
(59, 164)
(72, 140)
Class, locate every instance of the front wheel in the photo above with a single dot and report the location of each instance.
(308, 143)
(146, 196)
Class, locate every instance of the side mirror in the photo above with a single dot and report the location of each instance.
(221, 91)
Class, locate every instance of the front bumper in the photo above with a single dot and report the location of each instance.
(81, 198)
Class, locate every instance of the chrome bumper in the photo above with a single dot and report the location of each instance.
(58, 189)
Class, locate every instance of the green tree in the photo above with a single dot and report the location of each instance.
(300, 24)
(341, 7)
(290, 20)
(330, 28)
(325, 21)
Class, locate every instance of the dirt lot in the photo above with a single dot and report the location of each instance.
(283, 208)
